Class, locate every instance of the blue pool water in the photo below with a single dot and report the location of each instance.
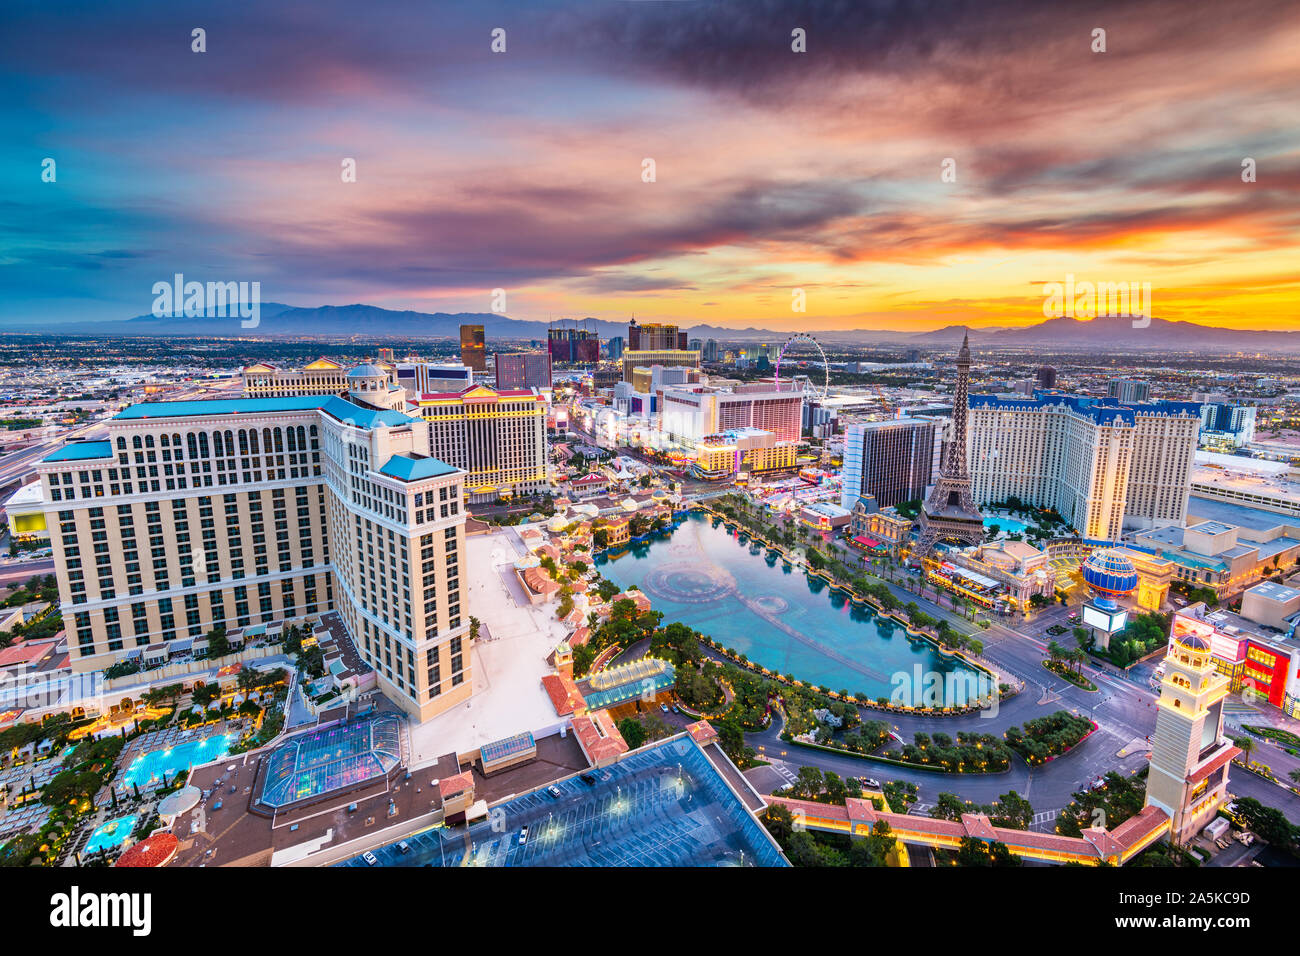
(1009, 525)
(748, 599)
(156, 764)
(111, 834)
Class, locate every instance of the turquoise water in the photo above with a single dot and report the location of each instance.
(1009, 525)
(154, 765)
(748, 599)
(111, 834)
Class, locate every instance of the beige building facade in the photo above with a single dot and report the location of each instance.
(191, 515)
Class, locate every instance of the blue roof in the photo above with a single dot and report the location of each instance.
(333, 405)
(1104, 411)
(407, 468)
(81, 451)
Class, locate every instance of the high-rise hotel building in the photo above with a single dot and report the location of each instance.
(235, 512)
(893, 461)
(497, 437)
(1103, 465)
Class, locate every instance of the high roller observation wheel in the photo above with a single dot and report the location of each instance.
(812, 390)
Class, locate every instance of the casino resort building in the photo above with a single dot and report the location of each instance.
(191, 515)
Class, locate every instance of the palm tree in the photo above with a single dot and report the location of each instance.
(1247, 747)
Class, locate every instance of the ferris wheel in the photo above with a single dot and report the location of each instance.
(812, 389)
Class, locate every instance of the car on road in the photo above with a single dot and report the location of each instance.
(871, 783)
(664, 708)
(554, 791)
(523, 836)
(370, 858)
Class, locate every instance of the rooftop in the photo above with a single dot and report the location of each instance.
(665, 804)
(332, 405)
(1211, 527)
(1274, 591)
(81, 451)
(415, 467)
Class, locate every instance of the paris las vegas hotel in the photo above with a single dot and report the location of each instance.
(235, 512)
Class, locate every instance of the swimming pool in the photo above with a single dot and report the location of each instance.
(111, 834)
(1007, 524)
(154, 765)
(710, 579)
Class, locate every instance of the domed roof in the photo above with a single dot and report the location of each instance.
(1110, 572)
(366, 371)
(1193, 642)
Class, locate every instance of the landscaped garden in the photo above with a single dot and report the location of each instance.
(1045, 738)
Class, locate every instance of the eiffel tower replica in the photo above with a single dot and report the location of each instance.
(950, 513)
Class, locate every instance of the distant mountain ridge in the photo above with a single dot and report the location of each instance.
(1110, 332)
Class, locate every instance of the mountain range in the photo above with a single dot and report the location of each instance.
(1113, 333)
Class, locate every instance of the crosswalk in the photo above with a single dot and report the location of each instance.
(1045, 819)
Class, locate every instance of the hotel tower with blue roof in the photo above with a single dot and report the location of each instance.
(190, 515)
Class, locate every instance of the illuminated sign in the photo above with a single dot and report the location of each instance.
(1108, 621)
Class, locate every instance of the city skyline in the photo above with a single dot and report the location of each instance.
(774, 170)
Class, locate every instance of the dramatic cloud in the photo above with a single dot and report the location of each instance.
(773, 169)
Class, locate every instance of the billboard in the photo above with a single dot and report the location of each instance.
(1108, 621)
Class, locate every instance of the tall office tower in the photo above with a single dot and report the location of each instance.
(890, 460)
(516, 370)
(498, 438)
(710, 352)
(1046, 377)
(1104, 467)
(614, 348)
(949, 513)
(682, 341)
(236, 512)
(1128, 391)
(573, 345)
(1190, 756)
(695, 345)
(387, 355)
(473, 351)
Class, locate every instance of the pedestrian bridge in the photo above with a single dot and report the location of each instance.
(1097, 845)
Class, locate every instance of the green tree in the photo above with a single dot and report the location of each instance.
(632, 732)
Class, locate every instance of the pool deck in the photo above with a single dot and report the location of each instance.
(238, 837)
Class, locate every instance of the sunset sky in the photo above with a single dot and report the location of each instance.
(775, 170)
